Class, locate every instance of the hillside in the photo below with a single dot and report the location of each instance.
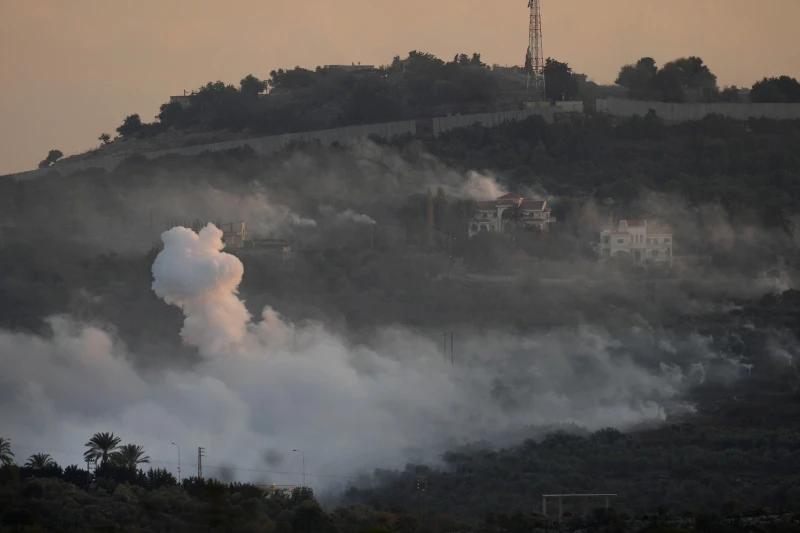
(696, 367)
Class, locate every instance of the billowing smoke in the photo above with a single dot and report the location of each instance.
(270, 384)
(192, 273)
(359, 218)
(301, 222)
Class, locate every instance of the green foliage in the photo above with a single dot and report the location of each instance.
(776, 90)
(40, 461)
(6, 455)
(719, 465)
(645, 81)
(129, 456)
(101, 446)
(130, 126)
(559, 82)
(52, 157)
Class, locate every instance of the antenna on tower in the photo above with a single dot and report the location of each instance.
(536, 92)
(200, 454)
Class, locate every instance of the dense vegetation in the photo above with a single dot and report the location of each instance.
(739, 454)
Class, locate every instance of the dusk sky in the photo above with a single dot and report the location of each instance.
(72, 69)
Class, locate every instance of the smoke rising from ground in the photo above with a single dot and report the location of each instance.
(270, 384)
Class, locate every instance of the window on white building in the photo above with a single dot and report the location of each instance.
(620, 241)
(666, 252)
(666, 240)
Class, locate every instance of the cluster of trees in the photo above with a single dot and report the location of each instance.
(700, 478)
(421, 85)
(670, 83)
(782, 90)
(686, 467)
(302, 99)
(52, 157)
(689, 78)
(749, 168)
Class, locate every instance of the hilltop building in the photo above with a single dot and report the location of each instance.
(491, 214)
(638, 241)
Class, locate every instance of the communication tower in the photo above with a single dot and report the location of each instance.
(536, 92)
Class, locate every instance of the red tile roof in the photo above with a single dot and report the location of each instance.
(620, 233)
(636, 223)
(510, 196)
(486, 205)
(533, 204)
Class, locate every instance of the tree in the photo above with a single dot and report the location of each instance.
(693, 73)
(528, 68)
(559, 82)
(476, 60)
(130, 126)
(638, 78)
(101, 445)
(129, 456)
(105, 138)
(52, 157)
(39, 461)
(776, 90)
(729, 94)
(6, 456)
(250, 86)
(513, 217)
(171, 114)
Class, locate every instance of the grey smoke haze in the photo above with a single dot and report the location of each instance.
(274, 201)
(270, 384)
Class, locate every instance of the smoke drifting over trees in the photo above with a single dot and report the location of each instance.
(165, 335)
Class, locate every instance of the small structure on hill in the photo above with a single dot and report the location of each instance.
(633, 239)
(509, 210)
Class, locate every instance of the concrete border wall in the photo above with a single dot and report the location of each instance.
(443, 124)
(675, 113)
(260, 145)
(268, 145)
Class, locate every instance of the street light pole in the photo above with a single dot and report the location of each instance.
(179, 462)
(303, 455)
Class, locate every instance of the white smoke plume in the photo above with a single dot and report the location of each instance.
(301, 222)
(359, 218)
(192, 273)
(273, 385)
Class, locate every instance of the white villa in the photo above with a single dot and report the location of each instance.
(489, 215)
(642, 244)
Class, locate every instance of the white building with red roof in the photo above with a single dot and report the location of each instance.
(635, 239)
(489, 215)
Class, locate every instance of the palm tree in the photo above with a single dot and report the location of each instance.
(514, 215)
(40, 460)
(5, 452)
(101, 445)
(129, 456)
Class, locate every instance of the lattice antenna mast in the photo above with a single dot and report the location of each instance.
(536, 92)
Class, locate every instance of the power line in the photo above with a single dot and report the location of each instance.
(37, 449)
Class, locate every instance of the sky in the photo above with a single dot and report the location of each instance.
(71, 70)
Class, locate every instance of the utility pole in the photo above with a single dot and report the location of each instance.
(536, 88)
(303, 455)
(91, 465)
(201, 452)
(422, 484)
(179, 462)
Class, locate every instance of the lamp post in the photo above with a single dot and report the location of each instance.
(303, 455)
(179, 462)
